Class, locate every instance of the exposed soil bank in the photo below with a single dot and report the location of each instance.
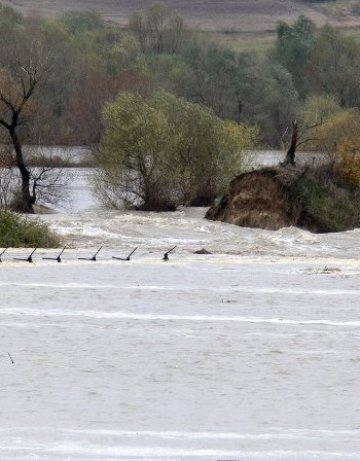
(315, 199)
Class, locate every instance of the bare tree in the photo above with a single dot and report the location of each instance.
(49, 177)
(17, 87)
(290, 154)
(297, 139)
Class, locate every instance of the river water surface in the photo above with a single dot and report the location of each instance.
(249, 353)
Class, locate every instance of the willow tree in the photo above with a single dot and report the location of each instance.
(164, 151)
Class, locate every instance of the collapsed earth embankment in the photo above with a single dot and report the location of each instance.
(315, 199)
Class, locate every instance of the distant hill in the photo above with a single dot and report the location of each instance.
(215, 15)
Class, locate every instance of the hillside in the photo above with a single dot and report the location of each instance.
(216, 15)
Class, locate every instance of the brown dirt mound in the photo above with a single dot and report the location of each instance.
(272, 198)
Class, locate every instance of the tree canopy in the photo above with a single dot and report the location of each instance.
(92, 61)
(164, 151)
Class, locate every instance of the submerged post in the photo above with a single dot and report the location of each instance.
(2, 254)
(166, 255)
(93, 258)
(127, 258)
(58, 258)
(29, 259)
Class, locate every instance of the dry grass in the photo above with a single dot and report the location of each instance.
(259, 42)
(226, 16)
(343, 12)
(238, 24)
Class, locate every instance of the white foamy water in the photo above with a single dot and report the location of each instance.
(250, 353)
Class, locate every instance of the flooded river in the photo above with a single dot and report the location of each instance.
(249, 353)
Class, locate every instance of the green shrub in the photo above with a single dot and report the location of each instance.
(164, 151)
(16, 231)
(327, 201)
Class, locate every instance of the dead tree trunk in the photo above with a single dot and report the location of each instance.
(290, 155)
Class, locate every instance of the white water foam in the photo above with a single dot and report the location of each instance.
(181, 288)
(120, 315)
(276, 434)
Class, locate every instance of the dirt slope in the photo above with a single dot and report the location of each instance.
(272, 198)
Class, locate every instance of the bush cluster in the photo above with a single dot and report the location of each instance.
(348, 166)
(327, 201)
(16, 232)
(163, 151)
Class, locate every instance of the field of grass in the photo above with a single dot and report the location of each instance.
(238, 24)
(259, 42)
(226, 16)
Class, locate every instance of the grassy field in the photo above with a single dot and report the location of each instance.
(239, 24)
(225, 16)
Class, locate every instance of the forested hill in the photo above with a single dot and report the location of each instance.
(219, 15)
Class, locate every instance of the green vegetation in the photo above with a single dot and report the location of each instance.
(164, 151)
(16, 231)
(89, 61)
(335, 133)
(183, 88)
(327, 203)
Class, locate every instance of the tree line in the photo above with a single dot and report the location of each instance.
(60, 79)
(91, 61)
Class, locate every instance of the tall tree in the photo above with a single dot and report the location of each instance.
(293, 47)
(158, 29)
(209, 77)
(17, 87)
(334, 67)
(266, 95)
